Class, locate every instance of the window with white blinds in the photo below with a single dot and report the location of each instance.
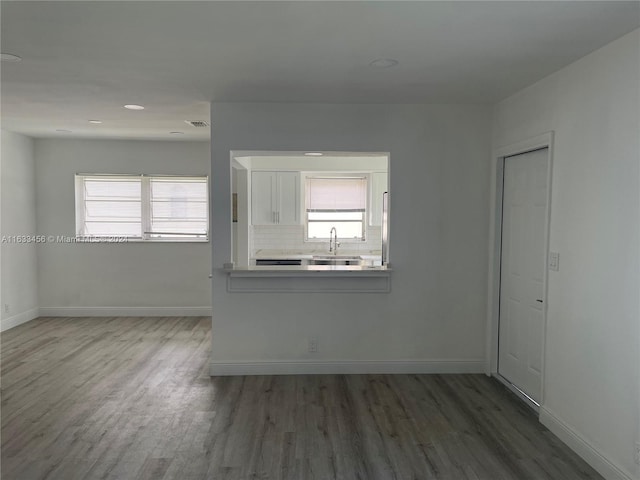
(336, 202)
(146, 208)
(178, 207)
(110, 206)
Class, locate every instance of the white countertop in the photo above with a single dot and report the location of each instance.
(296, 254)
(309, 270)
(308, 279)
(370, 256)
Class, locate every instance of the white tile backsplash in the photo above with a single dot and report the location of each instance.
(290, 239)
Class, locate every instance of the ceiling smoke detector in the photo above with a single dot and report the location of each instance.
(197, 123)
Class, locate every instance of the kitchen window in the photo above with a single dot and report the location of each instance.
(142, 207)
(336, 202)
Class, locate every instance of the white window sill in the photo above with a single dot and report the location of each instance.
(124, 240)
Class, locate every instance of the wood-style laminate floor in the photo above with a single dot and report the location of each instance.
(131, 398)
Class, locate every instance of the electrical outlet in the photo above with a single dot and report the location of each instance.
(554, 261)
(637, 453)
(313, 345)
(6, 308)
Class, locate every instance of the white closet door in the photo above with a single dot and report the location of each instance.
(523, 262)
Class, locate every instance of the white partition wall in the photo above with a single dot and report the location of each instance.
(433, 320)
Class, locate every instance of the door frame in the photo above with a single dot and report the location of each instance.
(538, 142)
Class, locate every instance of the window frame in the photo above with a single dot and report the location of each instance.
(146, 235)
(355, 175)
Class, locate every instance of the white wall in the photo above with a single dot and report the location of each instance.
(593, 327)
(434, 317)
(111, 279)
(18, 217)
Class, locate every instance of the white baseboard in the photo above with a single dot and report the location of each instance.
(125, 311)
(19, 319)
(303, 367)
(582, 447)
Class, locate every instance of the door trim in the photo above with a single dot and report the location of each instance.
(538, 142)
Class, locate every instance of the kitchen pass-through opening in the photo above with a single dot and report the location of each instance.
(288, 206)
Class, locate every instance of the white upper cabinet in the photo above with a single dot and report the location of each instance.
(275, 198)
(263, 198)
(378, 187)
(288, 189)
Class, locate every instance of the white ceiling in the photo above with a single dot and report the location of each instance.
(85, 60)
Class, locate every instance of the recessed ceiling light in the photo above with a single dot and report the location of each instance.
(10, 57)
(384, 63)
(95, 121)
(314, 154)
(176, 133)
(62, 130)
(134, 107)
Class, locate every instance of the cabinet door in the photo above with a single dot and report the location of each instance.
(288, 198)
(378, 187)
(263, 198)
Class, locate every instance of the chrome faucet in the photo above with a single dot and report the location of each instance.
(333, 232)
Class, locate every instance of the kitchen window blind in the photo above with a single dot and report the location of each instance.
(336, 194)
(336, 202)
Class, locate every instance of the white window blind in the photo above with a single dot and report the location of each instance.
(336, 202)
(112, 206)
(178, 207)
(142, 207)
(336, 194)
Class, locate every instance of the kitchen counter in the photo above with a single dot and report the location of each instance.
(371, 258)
(297, 270)
(309, 279)
(311, 253)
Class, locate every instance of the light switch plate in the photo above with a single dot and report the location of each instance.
(554, 261)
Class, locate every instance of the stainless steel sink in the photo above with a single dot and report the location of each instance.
(335, 260)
